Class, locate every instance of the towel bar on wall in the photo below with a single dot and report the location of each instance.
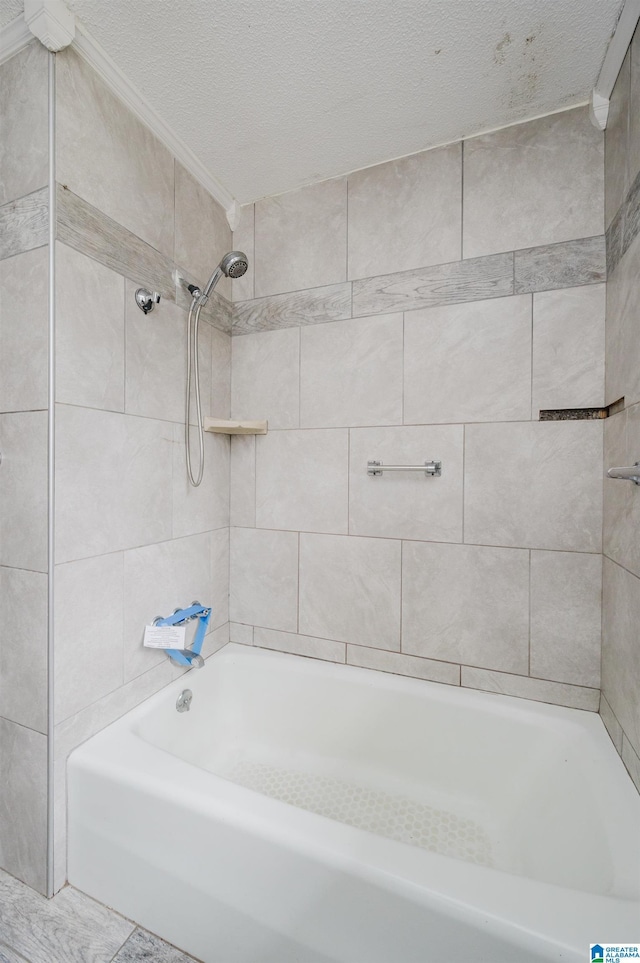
(429, 468)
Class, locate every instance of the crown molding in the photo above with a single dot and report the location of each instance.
(51, 22)
(13, 38)
(613, 60)
(91, 51)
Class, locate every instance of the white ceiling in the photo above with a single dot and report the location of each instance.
(274, 94)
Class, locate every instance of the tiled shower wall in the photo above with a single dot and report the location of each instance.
(428, 308)
(23, 473)
(620, 705)
(133, 538)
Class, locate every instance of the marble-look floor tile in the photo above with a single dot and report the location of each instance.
(144, 947)
(70, 928)
(7, 955)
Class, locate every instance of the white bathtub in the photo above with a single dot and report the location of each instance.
(474, 827)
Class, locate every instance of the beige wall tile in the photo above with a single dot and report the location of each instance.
(302, 480)
(403, 664)
(622, 372)
(555, 693)
(24, 335)
(535, 183)
(243, 481)
(243, 240)
(264, 578)
(109, 158)
(566, 617)
(633, 160)
(299, 644)
(23, 804)
(90, 342)
(301, 238)
(620, 650)
(631, 760)
(265, 376)
(406, 504)
(24, 151)
(616, 144)
(205, 508)
(23, 490)
(612, 725)
(534, 485)
(468, 362)
(88, 632)
(113, 482)
(464, 603)
(568, 348)
(160, 578)
(203, 235)
(351, 373)
(240, 633)
(23, 647)
(309, 306)
(350, 589)
(406, 213)
(621, 504)
(220, 374)
(156, 350)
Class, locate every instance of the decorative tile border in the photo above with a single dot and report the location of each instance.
(565, 265)
(313, 306)
(624, 227)
(24, 224)
(472, 280)
(89, 231)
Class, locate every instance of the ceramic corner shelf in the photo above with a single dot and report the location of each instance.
(223, 427)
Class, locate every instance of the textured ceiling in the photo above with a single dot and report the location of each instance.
(274, 94)
(9, 10)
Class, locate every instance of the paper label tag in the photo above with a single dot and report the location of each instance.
(165, 636)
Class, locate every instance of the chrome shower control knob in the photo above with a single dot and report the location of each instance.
(183, 702)
(147, 299)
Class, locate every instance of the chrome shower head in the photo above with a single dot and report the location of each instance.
(233, 265)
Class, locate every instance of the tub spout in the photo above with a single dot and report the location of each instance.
(195, 661)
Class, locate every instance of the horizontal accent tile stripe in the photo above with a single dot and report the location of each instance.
(631, 217)
(89, 231)
(312, 306)
(24, 224)
(475, 279)
(565, 265)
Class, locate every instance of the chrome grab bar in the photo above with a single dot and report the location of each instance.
(429, 468)
(626, 474)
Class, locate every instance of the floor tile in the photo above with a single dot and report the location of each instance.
(70, 928)
(145, 946)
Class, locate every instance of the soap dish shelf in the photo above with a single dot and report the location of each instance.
(222, 426)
